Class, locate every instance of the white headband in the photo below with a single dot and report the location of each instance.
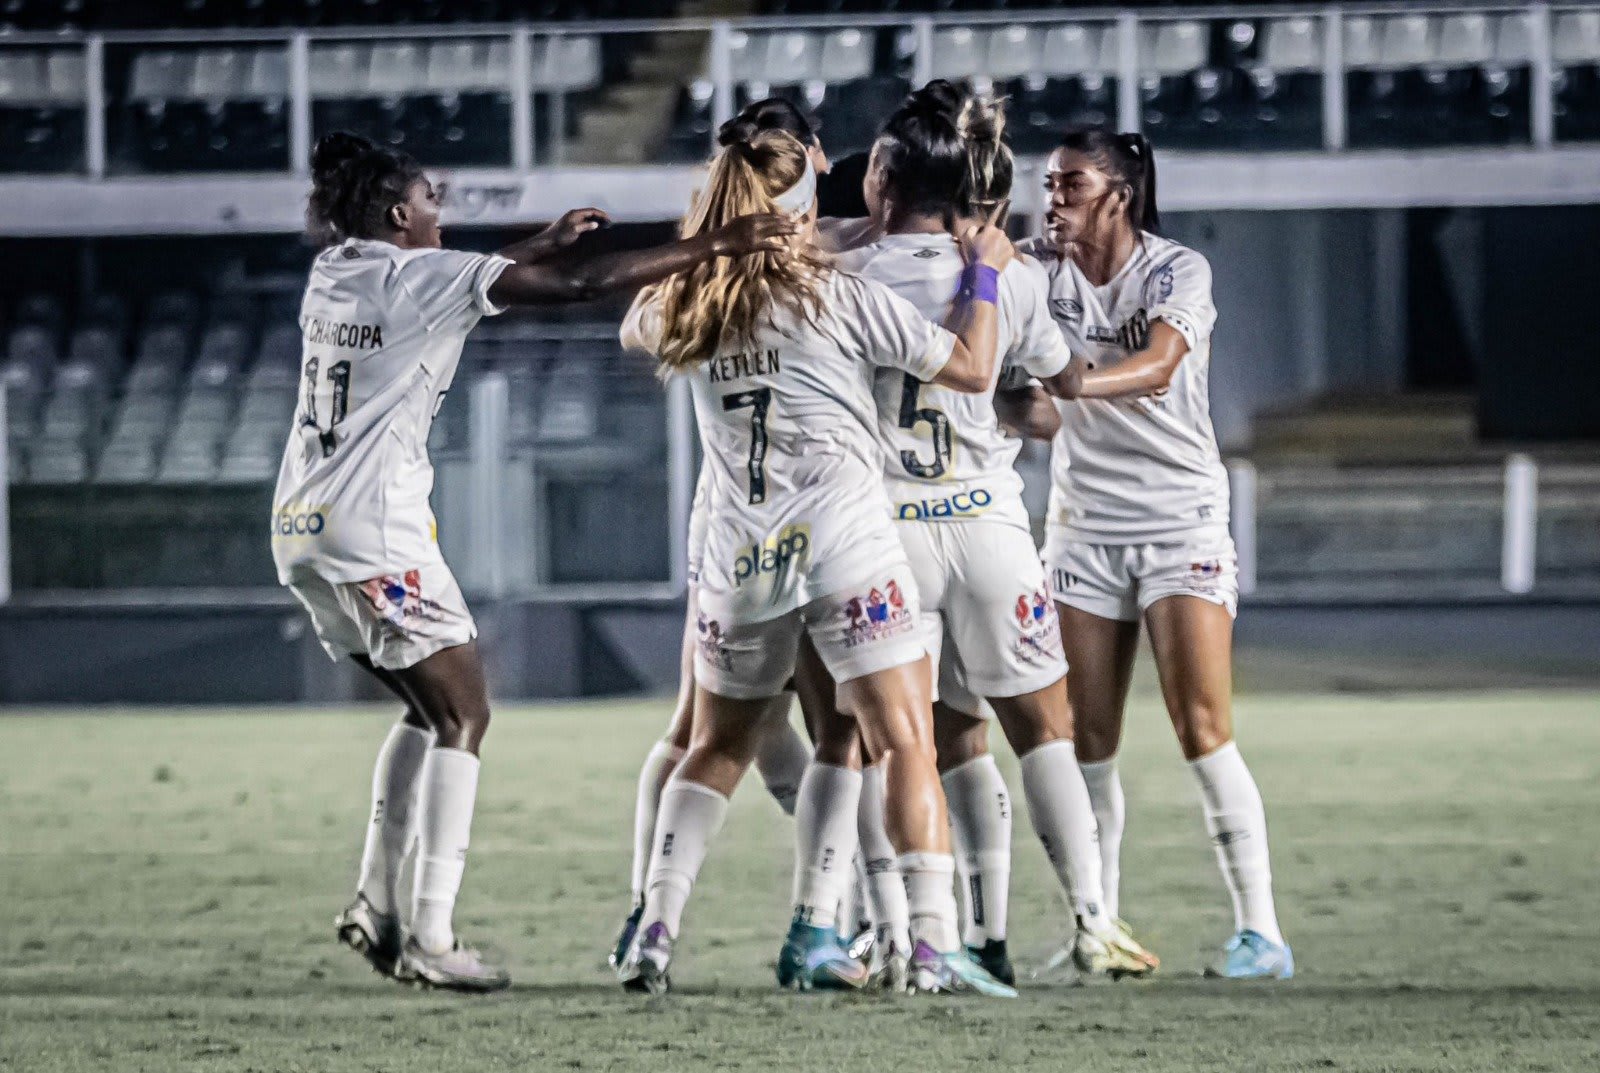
(798, 198)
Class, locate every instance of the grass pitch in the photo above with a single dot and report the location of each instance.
(168, 882)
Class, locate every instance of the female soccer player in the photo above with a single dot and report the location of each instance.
(782, 756)
(780, 351)
(1138, 523)
(385, 314)
(941, 161)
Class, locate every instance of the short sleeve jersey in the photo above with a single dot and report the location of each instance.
(382, 331)
(946, 457)
(795, 507)
(1146, 469)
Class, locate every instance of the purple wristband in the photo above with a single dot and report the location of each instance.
(981, 283)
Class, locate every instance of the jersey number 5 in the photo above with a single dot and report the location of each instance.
(758, 400)
(338, 402)
(910, 417)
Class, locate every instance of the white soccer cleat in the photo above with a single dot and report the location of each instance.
(373, 935)
(1112, 952)
(461, 968)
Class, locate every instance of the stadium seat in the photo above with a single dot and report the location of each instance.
(1286, 86)
(960, 53)
(1075, 84)
(1013, 52)
(41, 110)
(1386, 57)
(846, 56)
(1576, 49)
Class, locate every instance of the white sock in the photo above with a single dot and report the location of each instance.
(1110, 816)
(444, 823)
(932, 899)
(1063, 818)
(391, 830)
(781, 757)
(980, 823)
(1237, 823)
(690, 817)
(825, 841)
(886, 888)
(653, 775)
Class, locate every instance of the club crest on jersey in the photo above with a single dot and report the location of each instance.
(397, 598)
(709, 640)
(880, 613)
(1067, 309)
(787, 550)
(1158, 288)
(1133, 336)
(960, 505)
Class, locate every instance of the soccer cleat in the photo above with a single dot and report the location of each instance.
(1113, 953)
(993, 956)
(1250, 955)
(644, 966)
(862, 945)
(373, 935)
(630, 928)
(891, 967)
(953, 973)
(461, 968)
(813, 959)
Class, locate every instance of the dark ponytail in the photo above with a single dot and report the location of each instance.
(774, 113)
(922, 152)
(354, 185)
(1128, 159)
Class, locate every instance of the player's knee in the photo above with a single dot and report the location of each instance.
(1094, 744)
(1202, 728)
(461, 725)
(959, 740)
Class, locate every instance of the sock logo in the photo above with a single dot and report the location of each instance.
(975, 883)
(666, 844)
(827, 860)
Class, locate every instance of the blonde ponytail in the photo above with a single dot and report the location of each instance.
(724, 301)
(982, 125)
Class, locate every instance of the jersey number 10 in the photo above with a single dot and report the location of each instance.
(338, 402)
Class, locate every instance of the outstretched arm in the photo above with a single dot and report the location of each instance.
(1145, 373)
(558, 236)
(542, 284)
(1027, 412)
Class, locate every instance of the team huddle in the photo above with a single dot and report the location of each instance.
(858, 539)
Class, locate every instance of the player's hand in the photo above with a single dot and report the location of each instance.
(572, 225)
(987, 243)
(757, 233)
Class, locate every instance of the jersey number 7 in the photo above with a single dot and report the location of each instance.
(758, 400)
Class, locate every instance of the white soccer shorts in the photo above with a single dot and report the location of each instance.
(983, 589)
(858, 631)
(1120, 581)
(396, 621)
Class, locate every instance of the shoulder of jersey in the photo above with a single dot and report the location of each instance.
(1037, 249)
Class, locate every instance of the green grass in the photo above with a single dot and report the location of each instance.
(167, 883)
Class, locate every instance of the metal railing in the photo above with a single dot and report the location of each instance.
(1127, 25)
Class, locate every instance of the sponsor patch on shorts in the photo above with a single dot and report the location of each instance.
(881, 613)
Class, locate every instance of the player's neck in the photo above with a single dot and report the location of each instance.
(914, 223)
(1100, 262)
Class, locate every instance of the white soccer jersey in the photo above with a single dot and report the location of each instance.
(946, 457)
(796, 507)
(1137, 470)
(383, 329)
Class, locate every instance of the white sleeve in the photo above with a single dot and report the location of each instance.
(446, 285)
(1037, 345)
(890, 331)
(641, 328)
(1179, 293)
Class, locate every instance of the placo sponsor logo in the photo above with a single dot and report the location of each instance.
(960, 505)
(777, 554)
(299, 520)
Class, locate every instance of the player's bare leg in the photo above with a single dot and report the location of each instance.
(448, 690)
(370, 925)
(727, 733)
(980, 827)
(1100, 652)
(893, 710)
(1039, 727)
(1193, 643)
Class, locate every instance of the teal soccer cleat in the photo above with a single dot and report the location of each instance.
(813, 959)
(630, 928)
(956, 972)
(1250, 955)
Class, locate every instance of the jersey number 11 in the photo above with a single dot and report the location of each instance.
(338, 402)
